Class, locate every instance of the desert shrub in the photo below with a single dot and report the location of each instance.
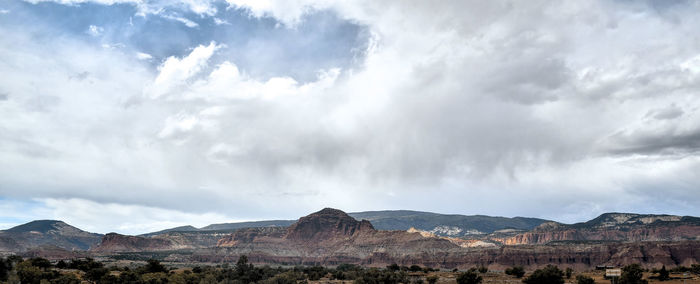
(548, 275)
(96, 274)
(393, 267)
(376, 276)
(663, 274)
(68, 278)
(632, 274)
(153, 266)
(469, 277)
(695, 268)
(61, 264)
(314, 273)
(348, 267)
(415, 268)
(5, 267)
(483, 269)
(568, 272)
(517, 271)
(28, 273)
(582, 279)
(40, 262)
(155, 278)
(84, 264)
(432, 279)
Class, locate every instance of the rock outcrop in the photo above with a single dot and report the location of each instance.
(114, 242)
(621, 227)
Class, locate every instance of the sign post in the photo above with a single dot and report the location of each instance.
(614, 274)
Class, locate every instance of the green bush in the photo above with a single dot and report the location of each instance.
(632, 274)
(581, 279)
(568, 272)
(517, 271)
(5, 267)
(663, 274)
(432, 279)
(548, 275)
(469, 277)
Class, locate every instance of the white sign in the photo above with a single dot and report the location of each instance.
(613, 272)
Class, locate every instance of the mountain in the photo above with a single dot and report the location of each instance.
(451, 225)
(619, 227)
(46, 232)
(254, 224)
(176, 229)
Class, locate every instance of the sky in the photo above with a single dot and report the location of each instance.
(132, 116)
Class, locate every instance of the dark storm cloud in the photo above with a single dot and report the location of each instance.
(665, 142)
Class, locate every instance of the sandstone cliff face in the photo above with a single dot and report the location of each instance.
(327, 224)
(577, 256)
(114, 242)
(614, 227)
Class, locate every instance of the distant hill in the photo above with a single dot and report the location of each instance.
(47, 232)
(176, 229)
(615, 227)
(254, 224)
(452, 225)
(615, 219)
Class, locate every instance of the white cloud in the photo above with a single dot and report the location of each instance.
(4, 11)
(189, 23)
(219, 22)
(95, 30)
(174, 71)
(143, 56)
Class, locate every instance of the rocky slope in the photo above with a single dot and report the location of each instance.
(46, 232)
(622, 227)
(114, 242)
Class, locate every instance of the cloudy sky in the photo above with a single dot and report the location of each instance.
(138, 115)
